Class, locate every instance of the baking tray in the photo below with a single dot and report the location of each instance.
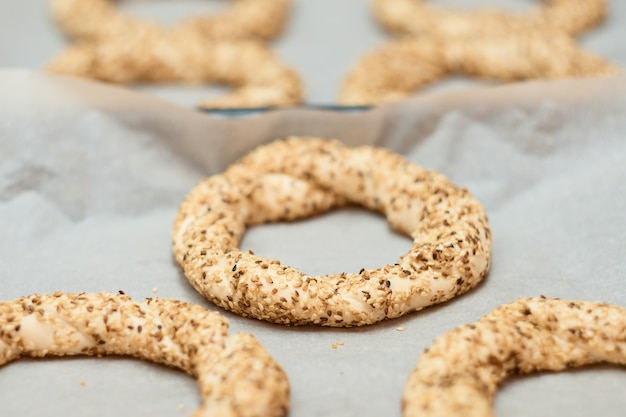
(91, 176)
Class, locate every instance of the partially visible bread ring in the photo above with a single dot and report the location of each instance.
(301, 177)
(401, 67)
(459, 373)
(235, 374)
(255, 73)
(225, 48)
(95, 20)
(418, 18)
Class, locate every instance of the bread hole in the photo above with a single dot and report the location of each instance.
(343, 240)
(456, 82)
(90, 387)
(189, 94)
(514, 6)
(172, 12)
(589, 391)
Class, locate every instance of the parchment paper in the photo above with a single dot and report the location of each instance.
(91, 177)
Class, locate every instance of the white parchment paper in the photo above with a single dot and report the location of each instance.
(91, 177)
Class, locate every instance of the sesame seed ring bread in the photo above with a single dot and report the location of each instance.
(100, 19)
(403, 66)
(459, 374)
(235, 374)
(256, 75)
(301, 177)
(416, 17)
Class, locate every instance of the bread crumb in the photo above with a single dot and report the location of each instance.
(155, 290)
(400, 329)
(82, 383)
(336, 345)
(181, 407)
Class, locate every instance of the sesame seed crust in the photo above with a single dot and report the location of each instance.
(301, 177)
(244, 19)
(255, 73)
(416, 17)
(235, 374)
(226, 49)
(433, 43)
(459, 374)
(402, 66)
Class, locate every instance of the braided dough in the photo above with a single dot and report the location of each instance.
(236, 376)
(416, 17)
(255, 73)
(458, 375)
(223, 49)
(100, 19)
(300, 177)
(492, 45)
(399, 68)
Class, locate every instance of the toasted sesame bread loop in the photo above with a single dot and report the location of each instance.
(433, 43)
(235, 374)
(301, 177)
(459, 373)
(226, 49)
(93, 20)
(403, 66)
(418, 17)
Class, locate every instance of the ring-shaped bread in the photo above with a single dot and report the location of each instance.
(256, 74)
(459, 373)
(301, 177)
(235, 374)
(403, 66)
(417, 17)
(96, 20)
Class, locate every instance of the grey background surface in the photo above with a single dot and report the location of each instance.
(322, 40)
(91, 177)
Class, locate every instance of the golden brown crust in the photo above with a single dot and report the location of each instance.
(95, 20)
(399, 68)
(236, 376)
(487, 44)
(301, 177)
(224, 49)
(417, 17)
(459, 374)
(255, 73)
